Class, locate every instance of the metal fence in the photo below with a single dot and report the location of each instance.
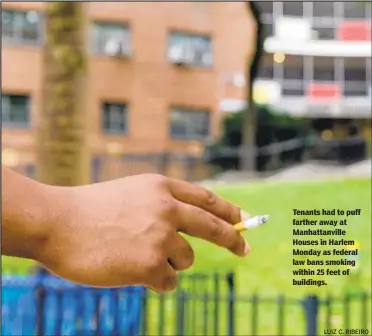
(107, 167)
(279, 155)
(43, 304)
(269, 159)
(203, 304)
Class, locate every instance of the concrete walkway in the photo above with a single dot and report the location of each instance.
(305, 171)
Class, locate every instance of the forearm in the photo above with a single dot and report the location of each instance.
(26, 215)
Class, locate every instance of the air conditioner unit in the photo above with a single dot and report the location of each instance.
(207, 58)
(202, 55)
(182, 54)
(116, 48)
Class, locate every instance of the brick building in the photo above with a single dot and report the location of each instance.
(158, 74)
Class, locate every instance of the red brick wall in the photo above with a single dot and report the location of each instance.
(147, 81)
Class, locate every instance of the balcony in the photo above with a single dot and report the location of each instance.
(301, 36)
(298, 98)
(319, 47)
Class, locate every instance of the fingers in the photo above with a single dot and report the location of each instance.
(201, 224)
(205, 199)
(161, 271)
(162, 276)
(181, 254)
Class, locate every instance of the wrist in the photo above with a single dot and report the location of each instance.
(28, 220)
(50, 215)
(30, 211)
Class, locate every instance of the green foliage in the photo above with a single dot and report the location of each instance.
(266, 117)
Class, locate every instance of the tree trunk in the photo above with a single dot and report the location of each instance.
(63, 157)
(248, 156)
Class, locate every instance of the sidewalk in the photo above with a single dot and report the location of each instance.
(304, 172)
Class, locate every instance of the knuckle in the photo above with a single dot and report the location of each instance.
(217, 231)
(154, 264)
(158, 179)
(210, 198)
(169, 206)
(164, 237)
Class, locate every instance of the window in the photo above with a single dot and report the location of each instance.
(293, 92)
(265, 72)
(114, 118)
(293, 8)
(295, 73)
(324, 69)
(355, 69)
(323, 33)
(190, 49)
(111, 39)
(265, 7)
(355, 89)
(356, 10)
(21, 27)
(355, 74)
(323, 9)
(15, 110)
(189, 124)
(368, 8)
(293, 68)
(268, 30)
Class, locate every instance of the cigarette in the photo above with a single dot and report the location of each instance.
(251, 223)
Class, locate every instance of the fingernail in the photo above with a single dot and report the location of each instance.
(247, 248)
(244, 215)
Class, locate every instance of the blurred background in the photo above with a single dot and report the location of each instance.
(239, 96)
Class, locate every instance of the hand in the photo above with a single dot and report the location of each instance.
(126, 231)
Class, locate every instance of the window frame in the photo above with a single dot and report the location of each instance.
(358, 85)
(18, 29)
(295, 70)
(325, 33)
(349, 72)
(265, 7)
(124, 115)
(268, 29)
(323, 70)
(27, 107)
(363, 6)
(99, 28)
(332, 17)
(285, 3)
(189, 111)
(266, 71)
(187, 36)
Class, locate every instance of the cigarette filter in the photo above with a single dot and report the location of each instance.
(251, 223)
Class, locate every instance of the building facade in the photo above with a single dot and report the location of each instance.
(157, 74)
(317, 61)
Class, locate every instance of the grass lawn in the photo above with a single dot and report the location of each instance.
(267, 271)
